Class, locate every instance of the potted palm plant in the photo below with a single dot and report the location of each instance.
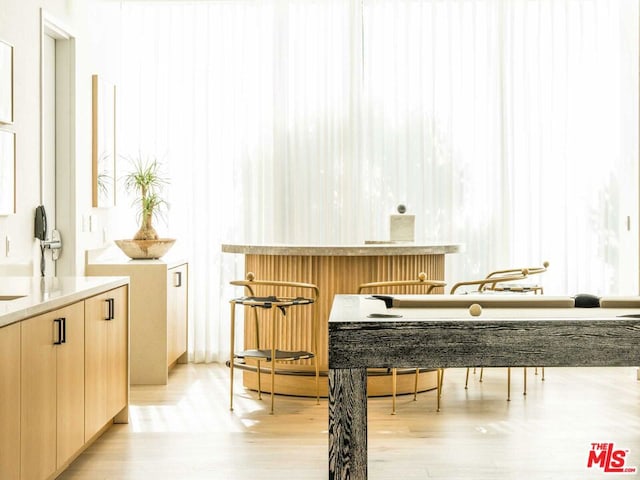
(146, 181)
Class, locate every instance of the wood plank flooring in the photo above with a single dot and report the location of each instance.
(185, 430)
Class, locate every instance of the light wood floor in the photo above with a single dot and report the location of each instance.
(185, 430)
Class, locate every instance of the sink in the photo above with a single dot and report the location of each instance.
(6, 298)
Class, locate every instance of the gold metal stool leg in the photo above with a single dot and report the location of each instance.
(466, 382)
(232, 354)
(440, 379)
(415, 385)
(394, 373)
(273, 357)
(508, 384)
(525, 381)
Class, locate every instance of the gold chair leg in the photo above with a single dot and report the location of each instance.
(440, 376)
(394, 373)
(508, 384)
(466, 382)
(317, 380)
(415, 385)
(232, 354)
(543, 374)
(481, 373)
(259, 381)
(525, 381)
(273, 357)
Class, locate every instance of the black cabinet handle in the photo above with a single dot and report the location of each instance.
(62, 331)
(110, 309)
(178, 282)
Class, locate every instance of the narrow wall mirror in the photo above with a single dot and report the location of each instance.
(104, 143)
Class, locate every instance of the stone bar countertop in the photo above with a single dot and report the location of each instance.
(368, 249)
(24, 297)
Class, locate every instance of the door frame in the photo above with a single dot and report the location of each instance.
(65, 137)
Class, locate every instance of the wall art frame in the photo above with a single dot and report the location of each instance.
(6, 83)
(104, 143)
(7, 173)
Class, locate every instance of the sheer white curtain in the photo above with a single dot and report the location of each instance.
(507, 125)
(511, 126)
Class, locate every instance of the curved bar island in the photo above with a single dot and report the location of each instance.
(339, 270)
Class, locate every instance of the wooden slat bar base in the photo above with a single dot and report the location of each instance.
(336, 274)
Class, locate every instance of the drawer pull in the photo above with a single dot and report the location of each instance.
(110, 309)
(62, 330)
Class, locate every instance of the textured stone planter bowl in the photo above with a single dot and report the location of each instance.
(145, 249)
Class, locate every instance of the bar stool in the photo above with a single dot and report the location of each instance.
(269, 350)
(421, 285)
(507, 281)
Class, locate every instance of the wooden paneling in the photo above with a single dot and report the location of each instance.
(332, 275)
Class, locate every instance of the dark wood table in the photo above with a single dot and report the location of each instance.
(439, 331)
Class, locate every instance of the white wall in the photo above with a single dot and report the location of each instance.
(95, 26)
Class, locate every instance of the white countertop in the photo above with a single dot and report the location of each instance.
(38, 295)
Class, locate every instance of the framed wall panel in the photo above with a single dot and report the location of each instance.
(7, 172)
(6, 82)
(104, 142)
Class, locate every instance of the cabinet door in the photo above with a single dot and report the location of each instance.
(96, 311)
(177, 291)
(70, 384)
(106, 353)
(10, 401)
(118, 352)
(38, 396)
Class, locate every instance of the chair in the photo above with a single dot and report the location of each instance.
(520, 287)
(506, 281)
(420, 285)
(493, 280)
(517, 286)
(269, 350)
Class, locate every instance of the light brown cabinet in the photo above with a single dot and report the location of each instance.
(10, 401)
(177, 314)
(49, 377)
(158, 314)
(106, 373)
(52, 390)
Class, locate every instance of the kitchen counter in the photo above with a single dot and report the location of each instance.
(24, 297)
